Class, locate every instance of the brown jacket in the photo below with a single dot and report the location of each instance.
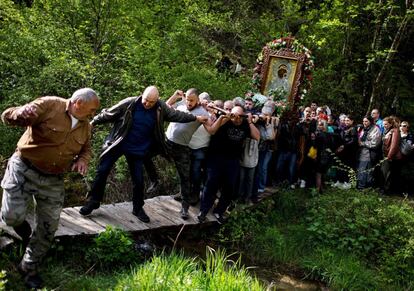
(49, 143)
(391, 144)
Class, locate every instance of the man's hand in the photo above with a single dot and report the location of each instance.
(178, 94)
(202, 119)
(81, 167)
(27, 111)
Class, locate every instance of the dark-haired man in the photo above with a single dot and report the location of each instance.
(178, 137)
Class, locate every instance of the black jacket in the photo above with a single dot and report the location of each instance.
(121, 116)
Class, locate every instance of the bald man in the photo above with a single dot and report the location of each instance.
(138, 127)
(224, 153)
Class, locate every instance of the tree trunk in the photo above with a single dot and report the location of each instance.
(376, 86)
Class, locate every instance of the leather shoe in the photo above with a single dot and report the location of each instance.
(24, 230)
(201, 217)
(89, 206)
(31, 278)
(177, 197)
(140, 213)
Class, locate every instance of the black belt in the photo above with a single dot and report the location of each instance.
(30, 165)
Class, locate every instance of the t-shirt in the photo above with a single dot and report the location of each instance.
(181, 133)
(228, 140)
(200, 138)
(140, 135)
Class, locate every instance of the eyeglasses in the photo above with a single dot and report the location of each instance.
(403, 125)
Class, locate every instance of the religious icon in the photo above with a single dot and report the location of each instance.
(280, 76)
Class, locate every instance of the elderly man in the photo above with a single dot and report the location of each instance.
(375, 114)
(138, 128)
(225, 150)
(56, 139)
(178, 137)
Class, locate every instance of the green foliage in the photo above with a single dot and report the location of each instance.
(368, 226)
(3, 280)
(113, 247)
(341, 272)
(175, 272)
(243, 222)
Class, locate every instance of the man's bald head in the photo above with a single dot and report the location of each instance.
(150, 97)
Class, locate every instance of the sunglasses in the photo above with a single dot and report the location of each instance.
(403, 125)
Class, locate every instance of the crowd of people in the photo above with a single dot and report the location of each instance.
(221, 149)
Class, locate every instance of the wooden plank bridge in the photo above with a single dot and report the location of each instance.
(163, 211)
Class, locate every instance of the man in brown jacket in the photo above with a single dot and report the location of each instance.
(56, 140)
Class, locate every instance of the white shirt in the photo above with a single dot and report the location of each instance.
(181, 133)
(74, 120)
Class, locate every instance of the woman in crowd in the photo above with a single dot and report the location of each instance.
(391, 167)
(369, 141)
(324, 144)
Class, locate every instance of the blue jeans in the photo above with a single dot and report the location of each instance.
(365, 174)
(288, 158)
(264, 159)
(198, 157)
(104, 168)
(246, 183)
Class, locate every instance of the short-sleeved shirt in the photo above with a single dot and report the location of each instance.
(229, 138)
(181, 133)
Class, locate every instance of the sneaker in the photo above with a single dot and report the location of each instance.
(89, 206)
(153, 187)
(184, 213)
(201, 217)
(220, 218)
(140, 213)
(302, 184)
(31, 278)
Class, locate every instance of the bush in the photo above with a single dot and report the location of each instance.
(3, 280)
(113, 247)
(377, 229)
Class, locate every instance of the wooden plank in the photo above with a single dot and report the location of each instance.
(124, 212)
(124, 215)
(165, 219)
(80, 223)
(104, 218)
(168, 211)
(170, 203)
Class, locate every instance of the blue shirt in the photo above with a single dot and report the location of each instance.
(380, 124)
(140, 135)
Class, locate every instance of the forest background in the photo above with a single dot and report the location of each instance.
(362, 49)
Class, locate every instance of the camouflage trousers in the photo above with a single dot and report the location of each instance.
(21, 184)
(182, 160)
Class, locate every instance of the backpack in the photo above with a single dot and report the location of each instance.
(406, 147)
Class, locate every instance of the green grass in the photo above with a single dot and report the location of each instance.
(175, 272)
(348, 239)
(166, 271)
